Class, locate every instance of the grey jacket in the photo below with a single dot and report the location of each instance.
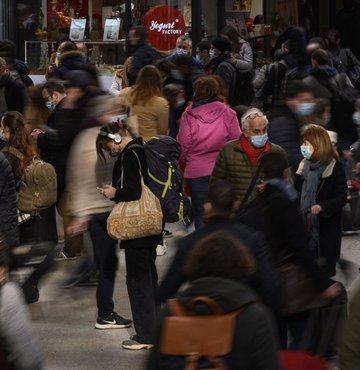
(16, 331)
(244, 59)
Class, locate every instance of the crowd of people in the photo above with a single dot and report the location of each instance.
(270, 158)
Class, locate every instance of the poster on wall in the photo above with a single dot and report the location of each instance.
(111, 29)
(164, 25)
(77, 29)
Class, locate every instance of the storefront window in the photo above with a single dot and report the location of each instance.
(103, 22)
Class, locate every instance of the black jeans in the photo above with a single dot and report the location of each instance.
(106, 259)
(141, 280)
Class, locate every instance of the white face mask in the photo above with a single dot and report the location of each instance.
(212, 53)
(120, 117)
(180, 51)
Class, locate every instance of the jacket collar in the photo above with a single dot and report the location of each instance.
(327, 172)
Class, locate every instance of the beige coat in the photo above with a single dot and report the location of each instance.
(152, 118)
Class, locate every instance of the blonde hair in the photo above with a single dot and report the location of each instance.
(318, 137)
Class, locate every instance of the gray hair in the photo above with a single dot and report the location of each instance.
(185, 38)
(250, 115)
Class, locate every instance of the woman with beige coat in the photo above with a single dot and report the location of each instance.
(147, 103)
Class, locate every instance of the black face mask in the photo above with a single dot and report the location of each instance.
(115, 153)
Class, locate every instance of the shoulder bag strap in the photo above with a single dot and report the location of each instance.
(251, 186)
(13, 151)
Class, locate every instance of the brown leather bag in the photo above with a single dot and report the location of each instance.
(198, 336)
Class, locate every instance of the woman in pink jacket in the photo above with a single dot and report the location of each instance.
(205, 127)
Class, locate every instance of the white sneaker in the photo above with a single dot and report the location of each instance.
(161, 249)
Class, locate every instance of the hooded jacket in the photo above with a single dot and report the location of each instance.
(255, 342)
(325, 73)
(203, 131)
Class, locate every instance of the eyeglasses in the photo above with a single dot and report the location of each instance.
(254, 115)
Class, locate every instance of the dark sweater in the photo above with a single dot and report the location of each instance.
(265, 281)
(279, 219)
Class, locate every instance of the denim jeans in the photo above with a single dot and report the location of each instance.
(198, 189)
(106, 259)
(141, 280)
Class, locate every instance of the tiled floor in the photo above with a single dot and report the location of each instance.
(64, 318)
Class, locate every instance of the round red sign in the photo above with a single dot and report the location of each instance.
(164, 25)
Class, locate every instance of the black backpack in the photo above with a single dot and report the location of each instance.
(241, 90)
(166, 178)
(343, 98)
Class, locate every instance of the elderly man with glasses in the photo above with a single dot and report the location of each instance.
(238, 159)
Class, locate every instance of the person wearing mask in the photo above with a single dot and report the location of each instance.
(203, 55)
(140, 253)
(205, 127)
(143, 54)
(220, 211)
(274, 213)
(55, 140)
(322, 184)
(18, 339)
(147, 103)
(321, 114)
(219, 267)
(184, 47)
(13, 97)
(286, 120)
(238, 159)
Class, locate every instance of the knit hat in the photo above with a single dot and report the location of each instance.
(221, 44)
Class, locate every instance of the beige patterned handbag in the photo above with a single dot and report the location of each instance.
(137, 218)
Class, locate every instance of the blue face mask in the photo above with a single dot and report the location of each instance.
(305, 109)
(356, 118)
(259, 141)
(180, 103)
(305, 151)
(50, 105)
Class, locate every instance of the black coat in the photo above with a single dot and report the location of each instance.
(284, 130)
(265, 281)
(143, 55)
(331, 196)
(55, 143)
(255, 341)
(278, 218)
(8, 209)
(128, 163)
(15, 93)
